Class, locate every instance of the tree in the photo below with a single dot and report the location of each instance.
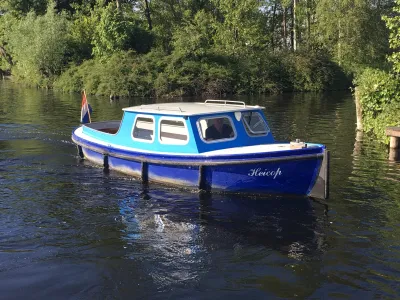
(38, 45)
(118, 30)
(22, 7)
(393, 24)
(241, 28)
(353, 32)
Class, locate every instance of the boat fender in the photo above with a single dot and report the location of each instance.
(297, 144)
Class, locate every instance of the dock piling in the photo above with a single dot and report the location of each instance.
(358, 109)
(394, 133)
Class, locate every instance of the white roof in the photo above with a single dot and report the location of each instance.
(193, 108)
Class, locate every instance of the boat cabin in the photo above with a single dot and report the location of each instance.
(185, 128)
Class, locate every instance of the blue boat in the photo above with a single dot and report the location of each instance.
(217, 145)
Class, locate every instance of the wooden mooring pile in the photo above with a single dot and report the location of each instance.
(394, 134)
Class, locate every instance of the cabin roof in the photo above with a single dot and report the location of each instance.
(193, 108)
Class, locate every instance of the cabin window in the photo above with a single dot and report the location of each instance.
(216, 129)
(173, 132)
(254, 123)
(144, 128)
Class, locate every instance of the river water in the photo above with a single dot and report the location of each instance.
(68, 230)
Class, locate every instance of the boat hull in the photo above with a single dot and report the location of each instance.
(292, 172)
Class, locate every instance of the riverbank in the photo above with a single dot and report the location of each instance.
(210, 49)
(378, 95)
(378, 89)
(157, 74)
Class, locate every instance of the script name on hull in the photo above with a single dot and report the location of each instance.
(265, 172)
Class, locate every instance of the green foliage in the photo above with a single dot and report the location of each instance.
(353, 32)
(393, 24)
(183, 73)
(378, 90)
(111, 32)
(22, 7)
(6, 23)
(241, 30)
(195, 40)
(193, 47)
(264, 74)
(287, 71)
(313, 70)
(39, 45)
(115, 31)
(191, 77)
(122, 74)
(379, 93)
(81, 31)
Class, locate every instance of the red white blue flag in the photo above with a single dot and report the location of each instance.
(85, 110)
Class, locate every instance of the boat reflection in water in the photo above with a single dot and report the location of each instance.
(181, 237)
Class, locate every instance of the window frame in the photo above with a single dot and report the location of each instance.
(216, 117)
(154, 128)
(173, 119)
(247, 126)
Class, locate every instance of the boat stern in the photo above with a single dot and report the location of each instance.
(320, 187)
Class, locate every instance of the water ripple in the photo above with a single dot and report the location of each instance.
(70, 230)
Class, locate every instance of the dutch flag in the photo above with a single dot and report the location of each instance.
(85, 110)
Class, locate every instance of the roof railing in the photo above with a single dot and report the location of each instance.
(171, 108)
(225, 102)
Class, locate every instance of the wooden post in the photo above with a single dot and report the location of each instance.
(358, 142)
(394, 142)
(394, 154)
(394, 133)
(358, 108)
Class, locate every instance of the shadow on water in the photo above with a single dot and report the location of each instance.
(185, 238)
(275, 222)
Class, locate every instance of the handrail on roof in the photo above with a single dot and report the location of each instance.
(225, 102)
(172, 108)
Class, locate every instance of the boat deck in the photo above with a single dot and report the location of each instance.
(255, 149)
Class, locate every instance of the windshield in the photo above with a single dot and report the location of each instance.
(254, 123)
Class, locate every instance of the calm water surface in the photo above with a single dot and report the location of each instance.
(70, 231)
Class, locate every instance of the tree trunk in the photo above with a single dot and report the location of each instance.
(273, 27)
(147, 13)
(5, 55)
(339, 54)
(308, 20)
(294, 31)
(284, 27)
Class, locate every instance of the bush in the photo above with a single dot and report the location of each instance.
(117, 31)
(38, 45)
(121, 74)
(379, 93)
(182, 74)
(313, 70)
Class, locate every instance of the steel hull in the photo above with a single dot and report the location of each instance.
(293, 172)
